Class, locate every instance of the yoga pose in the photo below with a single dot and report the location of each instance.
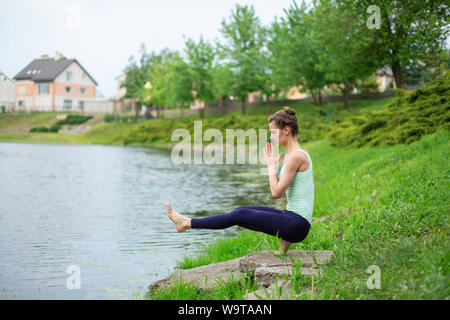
(291, 225)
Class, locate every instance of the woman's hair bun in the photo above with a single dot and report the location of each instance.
(289, 110)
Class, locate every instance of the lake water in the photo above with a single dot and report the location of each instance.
(102, 209)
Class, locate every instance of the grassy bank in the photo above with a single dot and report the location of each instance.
(313, 124)
(387, 206)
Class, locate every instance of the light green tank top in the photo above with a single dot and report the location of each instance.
(300, 193)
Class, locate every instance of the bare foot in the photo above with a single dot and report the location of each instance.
(279, 252)
(181, 222)
(284, 247)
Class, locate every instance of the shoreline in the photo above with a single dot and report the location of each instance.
(169, 146)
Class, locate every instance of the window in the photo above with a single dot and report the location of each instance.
(21, 104)
(68, 89)
(21, 90)
(43, 88)
(68, 75)
(81, 105)
(67, 105)
(83, 90)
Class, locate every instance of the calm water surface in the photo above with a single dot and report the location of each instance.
(102, 208)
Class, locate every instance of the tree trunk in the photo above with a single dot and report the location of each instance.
(136, 109)
(313, 96)
(346, 95)
(243, 105)
(320, 96)
(398, 75)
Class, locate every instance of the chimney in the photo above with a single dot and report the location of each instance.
(58, 56)
(44, 56)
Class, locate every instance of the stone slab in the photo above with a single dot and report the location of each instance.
(214, 272)
(266, 258)
(265, 276)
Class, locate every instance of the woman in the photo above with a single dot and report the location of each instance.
(291, 225)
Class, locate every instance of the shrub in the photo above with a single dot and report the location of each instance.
(74, 119)
(111, 117)
(55, 128)
(39, 129)
(410, 116)
(129, 119)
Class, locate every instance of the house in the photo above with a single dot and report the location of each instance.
(6, 93)
(54, 84)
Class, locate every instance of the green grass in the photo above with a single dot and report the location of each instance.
(411, 115)
(388, 207)
(35, 119)
(313, 124)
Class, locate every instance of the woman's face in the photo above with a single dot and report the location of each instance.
(277, 136)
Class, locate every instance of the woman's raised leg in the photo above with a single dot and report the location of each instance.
(263, 219)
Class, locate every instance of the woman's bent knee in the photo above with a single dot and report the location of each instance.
(241, 214)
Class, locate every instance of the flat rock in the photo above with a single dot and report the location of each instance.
(278, 291)
(262, 265)
(265, 276)
(273, 292)
(212, 273)
(266, 258)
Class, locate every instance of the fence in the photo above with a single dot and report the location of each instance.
(233, 106)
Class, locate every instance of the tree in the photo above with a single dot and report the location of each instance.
(294, 60)
(200, 58)
(409, 31)
(158, 73)
(345, 53)
(180, 83)
(135, 78)
(245, 38)
(222, 82)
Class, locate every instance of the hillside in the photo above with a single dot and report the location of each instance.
(385, 206)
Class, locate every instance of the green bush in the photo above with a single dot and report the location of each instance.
(74, 119)
(410, 116)
(129, 119)
(111, 117)
(39, 129)
(55, 128)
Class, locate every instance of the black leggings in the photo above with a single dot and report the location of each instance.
(286, 224)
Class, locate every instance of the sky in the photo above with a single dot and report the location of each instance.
(102, 35)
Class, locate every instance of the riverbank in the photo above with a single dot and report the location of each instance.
(384, 207)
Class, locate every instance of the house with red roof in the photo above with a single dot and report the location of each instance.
(53, 84)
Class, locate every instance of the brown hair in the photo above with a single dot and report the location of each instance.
(285, 117)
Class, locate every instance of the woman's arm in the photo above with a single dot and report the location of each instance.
(279, 186)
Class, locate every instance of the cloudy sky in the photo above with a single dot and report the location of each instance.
(102, 35)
